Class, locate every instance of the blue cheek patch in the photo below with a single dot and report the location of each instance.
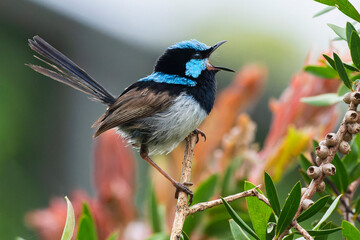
(194, 67)
(169, 78)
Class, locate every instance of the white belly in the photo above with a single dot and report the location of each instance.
(173, 125)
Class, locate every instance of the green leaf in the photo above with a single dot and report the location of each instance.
(349, 231)
(325, 10)
(203, 193)
(259, 212)
(349, 29)
(289, 237)
(238, 220)
(87, 230)
(351, 67)
(113, 236)
(341, 70)
(290, 208)
(357, 206)
(344, 6)
(324, 226)
(322, 232)
(323, 72)
(330, 61)
(355, 48)
(237, 232)
(184, 236)
(304, 162)
(341, 178)
(70, 222)
(328, 212)
(315, 208)
(156, 221)
(341, 32)
(272, 194)
(326, 99)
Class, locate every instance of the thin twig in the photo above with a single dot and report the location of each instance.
(205, 205)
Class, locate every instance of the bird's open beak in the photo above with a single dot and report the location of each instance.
(209, 66)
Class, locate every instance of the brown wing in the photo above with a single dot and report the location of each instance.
(134, 104)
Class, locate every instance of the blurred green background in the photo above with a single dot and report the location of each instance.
(45, 135)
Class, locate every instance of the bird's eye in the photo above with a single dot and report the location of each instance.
(196, 56)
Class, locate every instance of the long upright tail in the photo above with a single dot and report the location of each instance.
(67, 72)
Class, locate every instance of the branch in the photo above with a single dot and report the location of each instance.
(182, 208)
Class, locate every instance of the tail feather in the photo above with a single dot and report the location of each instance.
(67, 72)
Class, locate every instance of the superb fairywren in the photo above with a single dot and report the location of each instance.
(155, 113)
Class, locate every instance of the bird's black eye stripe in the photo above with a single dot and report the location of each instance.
(196, 56)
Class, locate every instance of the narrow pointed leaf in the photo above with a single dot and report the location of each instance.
(272, 194)
(328, 213)
(289, 237)
(290, 208)
(355, 48)
(326, 99)
(349, 231)
(330, 61)
(315, 208)
(87, 230)
(259, 212)
(184, 236)
(70, 222)
(237, 232)
(325, 10)
(341, 70)
(357, 206)
(238, 220)
(351, 67)
(322, 232)
(341, 178)
(344, 6)
(349, 29)
(320, 71)
(341, 32)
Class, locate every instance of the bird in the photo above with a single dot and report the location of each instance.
(155, 113)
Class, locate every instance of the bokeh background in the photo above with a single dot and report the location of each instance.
(46, 145)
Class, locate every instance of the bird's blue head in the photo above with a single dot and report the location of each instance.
(188, 59)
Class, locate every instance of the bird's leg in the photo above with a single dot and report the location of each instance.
(197, 132)
(180, 187)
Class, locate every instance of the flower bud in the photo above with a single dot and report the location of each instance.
(351, 116)
(347, 137)
(353, 128)
(344, 147)
(321, 187)
(347, 97)
(322, 151)
(313, 172)
(306, 204)
(355, 97)
(329, 169)
(331, 139)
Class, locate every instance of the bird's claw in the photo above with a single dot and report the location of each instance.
(197, 132)
(183, 187)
